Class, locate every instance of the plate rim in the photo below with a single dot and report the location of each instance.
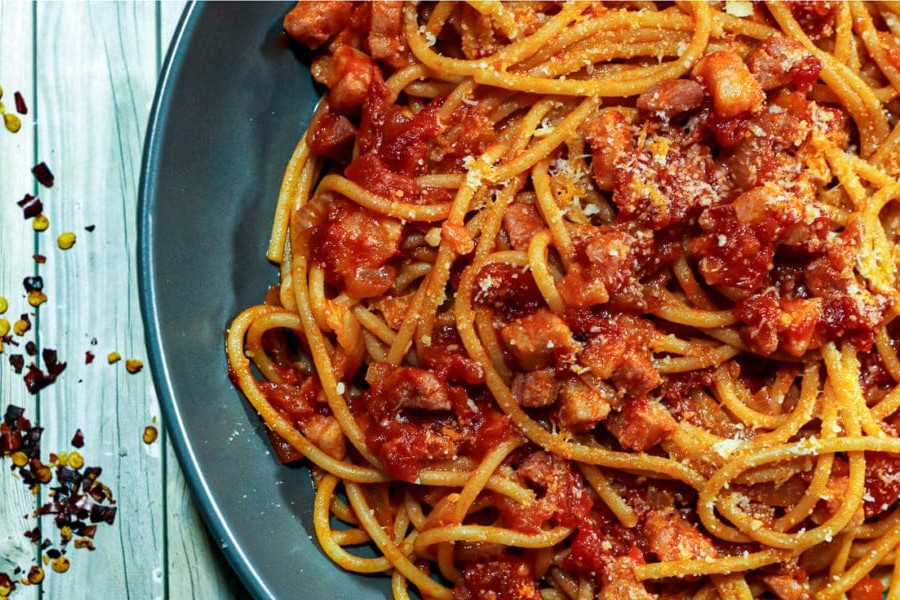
(148, 285)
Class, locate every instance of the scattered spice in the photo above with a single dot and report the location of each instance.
(34, 286)
(4, 327)
(31, 206)
(22, 325)
(7, 585)
(12, 122)
(40, 223)
(113, 357)
(78, 439)
(133, 365)
(150, 434)
(35, 575)
(31, 349)
(65, 240)
(60, 564)
(36, 298)
(3, 305)
(18, 363)
(75, 460)
(36, 380)
(90, 228)
(88, 357)
(43, 174)
(39, 258)
(78, 502)
(34, 283)
(21, 108)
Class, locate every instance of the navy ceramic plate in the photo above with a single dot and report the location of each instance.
(233, 100)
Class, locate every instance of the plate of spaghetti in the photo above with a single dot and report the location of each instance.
(590, 300)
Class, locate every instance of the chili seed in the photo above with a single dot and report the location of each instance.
(150, 434)
(35, 575)
(3, 305)
(19, 459)
(21, 325)
(75, 460)
(133, 365)
(36, 298)
(12, 122)
(65, 240)
(60, 564)
(40, 223)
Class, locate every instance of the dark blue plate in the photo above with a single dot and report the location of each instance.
(233, 100)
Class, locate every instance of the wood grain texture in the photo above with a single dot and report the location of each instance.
(96, 76)
(89, 71)
(16, 248)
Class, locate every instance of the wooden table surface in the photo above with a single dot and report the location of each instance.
(87, 72)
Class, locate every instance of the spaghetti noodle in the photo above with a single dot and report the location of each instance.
(589, 300)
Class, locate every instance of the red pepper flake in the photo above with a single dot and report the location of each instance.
(43, 174)
(78, 439)
(21, 108)
(90, 228)
(88, 357)
(78, 501)
(18, 362)
(36, 380)
(31, 206)
(51, 360)
(34, 535)
(31, 348)
(33, 284)
(40, 259)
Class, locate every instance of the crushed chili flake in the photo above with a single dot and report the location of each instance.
(21, 107)
(39, 259)
(51, 360)
(90, 228)
(88, 357)
(78, 501)
(18, 362)
(36, 379)
(31, 206)
(31, 349)
(33, 284)
(43, 174)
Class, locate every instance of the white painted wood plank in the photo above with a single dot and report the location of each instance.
(97, 72)
(195, 567)
(16, 262)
